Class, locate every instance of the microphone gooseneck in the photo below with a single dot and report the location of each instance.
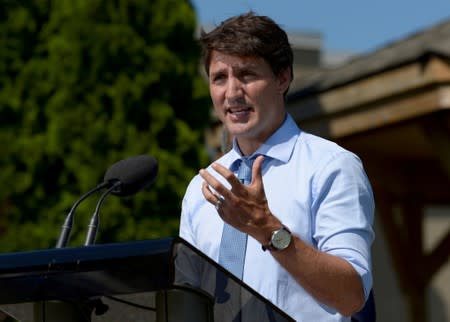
(68, 223)
(93, 224)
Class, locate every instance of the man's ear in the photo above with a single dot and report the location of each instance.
(284, 80)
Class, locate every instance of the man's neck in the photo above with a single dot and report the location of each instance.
(248, 145)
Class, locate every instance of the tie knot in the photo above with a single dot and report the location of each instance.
(245, 170)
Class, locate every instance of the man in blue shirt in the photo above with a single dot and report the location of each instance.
(306, 214)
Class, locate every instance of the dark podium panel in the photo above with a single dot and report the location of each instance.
(153, 280)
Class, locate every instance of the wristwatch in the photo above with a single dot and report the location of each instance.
(279, 240)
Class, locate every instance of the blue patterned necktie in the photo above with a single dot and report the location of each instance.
(234, 242)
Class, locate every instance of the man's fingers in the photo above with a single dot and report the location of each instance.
(226, 173)
(211, 196)
(215, 187)
(256, 169)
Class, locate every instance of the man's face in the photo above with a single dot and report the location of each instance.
(247, 96)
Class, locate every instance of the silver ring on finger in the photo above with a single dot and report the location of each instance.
(220, 200)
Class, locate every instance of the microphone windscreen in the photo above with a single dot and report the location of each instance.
(135, 173)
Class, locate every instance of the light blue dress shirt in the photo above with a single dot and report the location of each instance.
(319, 191)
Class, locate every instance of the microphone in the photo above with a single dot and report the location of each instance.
(134, 174)
(125, 178)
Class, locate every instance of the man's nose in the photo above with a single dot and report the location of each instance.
(234, 89)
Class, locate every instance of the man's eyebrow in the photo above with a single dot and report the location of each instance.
(237, 68)
(217, 72)
(244, 66)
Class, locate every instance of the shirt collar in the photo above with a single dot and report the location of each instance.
(279, 145)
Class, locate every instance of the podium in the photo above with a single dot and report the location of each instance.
(162, 280)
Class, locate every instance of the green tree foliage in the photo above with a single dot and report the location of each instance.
(83, 84)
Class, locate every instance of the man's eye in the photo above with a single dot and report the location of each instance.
(218, 78)
(248, 76)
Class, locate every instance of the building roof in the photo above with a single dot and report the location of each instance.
(431, 41)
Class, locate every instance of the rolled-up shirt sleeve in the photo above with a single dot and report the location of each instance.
(344, 209)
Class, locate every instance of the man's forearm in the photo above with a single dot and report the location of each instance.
(330, 279)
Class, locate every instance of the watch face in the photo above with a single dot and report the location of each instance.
(281, 239)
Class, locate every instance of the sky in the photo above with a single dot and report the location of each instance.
(353, 26)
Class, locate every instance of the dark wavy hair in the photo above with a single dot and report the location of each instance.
(249, 35)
